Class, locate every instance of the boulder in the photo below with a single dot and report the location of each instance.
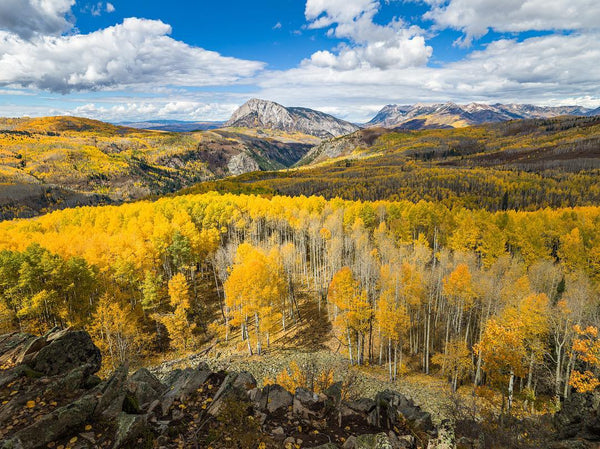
(129, 427)
(334, 394)
(372, 441)
(278, 399)
(390, 403)
(54, 425)
(307, 404)
(579, 417)
(144, 387)
(364, 405)
(245, 381)
(66, 351)
(230, 387)
(186, 383)
(111, 394)
(14, 346)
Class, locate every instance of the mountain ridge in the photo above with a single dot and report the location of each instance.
(449, 114)
(256, 113)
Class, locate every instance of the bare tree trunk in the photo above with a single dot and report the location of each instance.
(511, 386)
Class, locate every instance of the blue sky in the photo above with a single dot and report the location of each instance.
(147, 59)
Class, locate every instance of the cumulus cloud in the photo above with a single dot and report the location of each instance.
(110, 7)
(554, 69)
(27, 18)
(370, 45)
(179, 109)
(476, 17)
(136, 52)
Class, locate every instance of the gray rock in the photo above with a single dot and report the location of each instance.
(307, 404)
(373, 441)
(70, 382)
(350, 443)
(334, 394)
(54, 425)
(144, 387)
(245, 381)
(278, 399)
(579, 417)
(230, 387)
(242, 163)
(13, 346)
(186, 383)
(363, 405)
(66, 351)
(403, 441)
(129, 427)
(112, 393)
(278, 432)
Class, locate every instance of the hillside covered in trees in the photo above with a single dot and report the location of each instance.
(504, 301)
(56, 162)
(524, 165)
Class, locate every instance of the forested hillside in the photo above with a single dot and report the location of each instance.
(58, 162)
(506, 299)
(522, 165)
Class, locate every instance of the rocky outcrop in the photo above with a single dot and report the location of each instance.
(266, 114)
(579, 419)
(51, 397)
(242, 163)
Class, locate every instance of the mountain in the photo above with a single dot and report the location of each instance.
(267, 114)
(451, 115)
(556, 159)
(173, 125)
(51, 163)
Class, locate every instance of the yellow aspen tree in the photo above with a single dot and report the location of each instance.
(587, 348)
(393, 321)
(458, 288)
(352, 311)
(116, 331)
(502, 349)
(177, 323)
(254, 292)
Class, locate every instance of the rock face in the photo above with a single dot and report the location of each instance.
(450, 115)
(579, 417)
(51, 397)
(267, 114)
(242, 163)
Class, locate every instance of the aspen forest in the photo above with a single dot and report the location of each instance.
(504, 301)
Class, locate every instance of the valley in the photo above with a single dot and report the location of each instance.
(443, 264)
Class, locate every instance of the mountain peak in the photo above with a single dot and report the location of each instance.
(257, 113)
(443, 115)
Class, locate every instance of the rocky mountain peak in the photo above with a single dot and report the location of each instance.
(257, 113)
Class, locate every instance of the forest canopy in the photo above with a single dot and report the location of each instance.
(487, 296)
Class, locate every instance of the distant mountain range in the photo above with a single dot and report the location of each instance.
(263, 114)
(173, 125)
(451, 115)
(268, 114)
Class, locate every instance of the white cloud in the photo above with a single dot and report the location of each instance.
(554, 69)
(371, 45)
(136, 52)
(476, 17)
(277, 26)
(27, 18)
(110, 8)
(157, 109)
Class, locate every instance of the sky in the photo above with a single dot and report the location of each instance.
(133, 60)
